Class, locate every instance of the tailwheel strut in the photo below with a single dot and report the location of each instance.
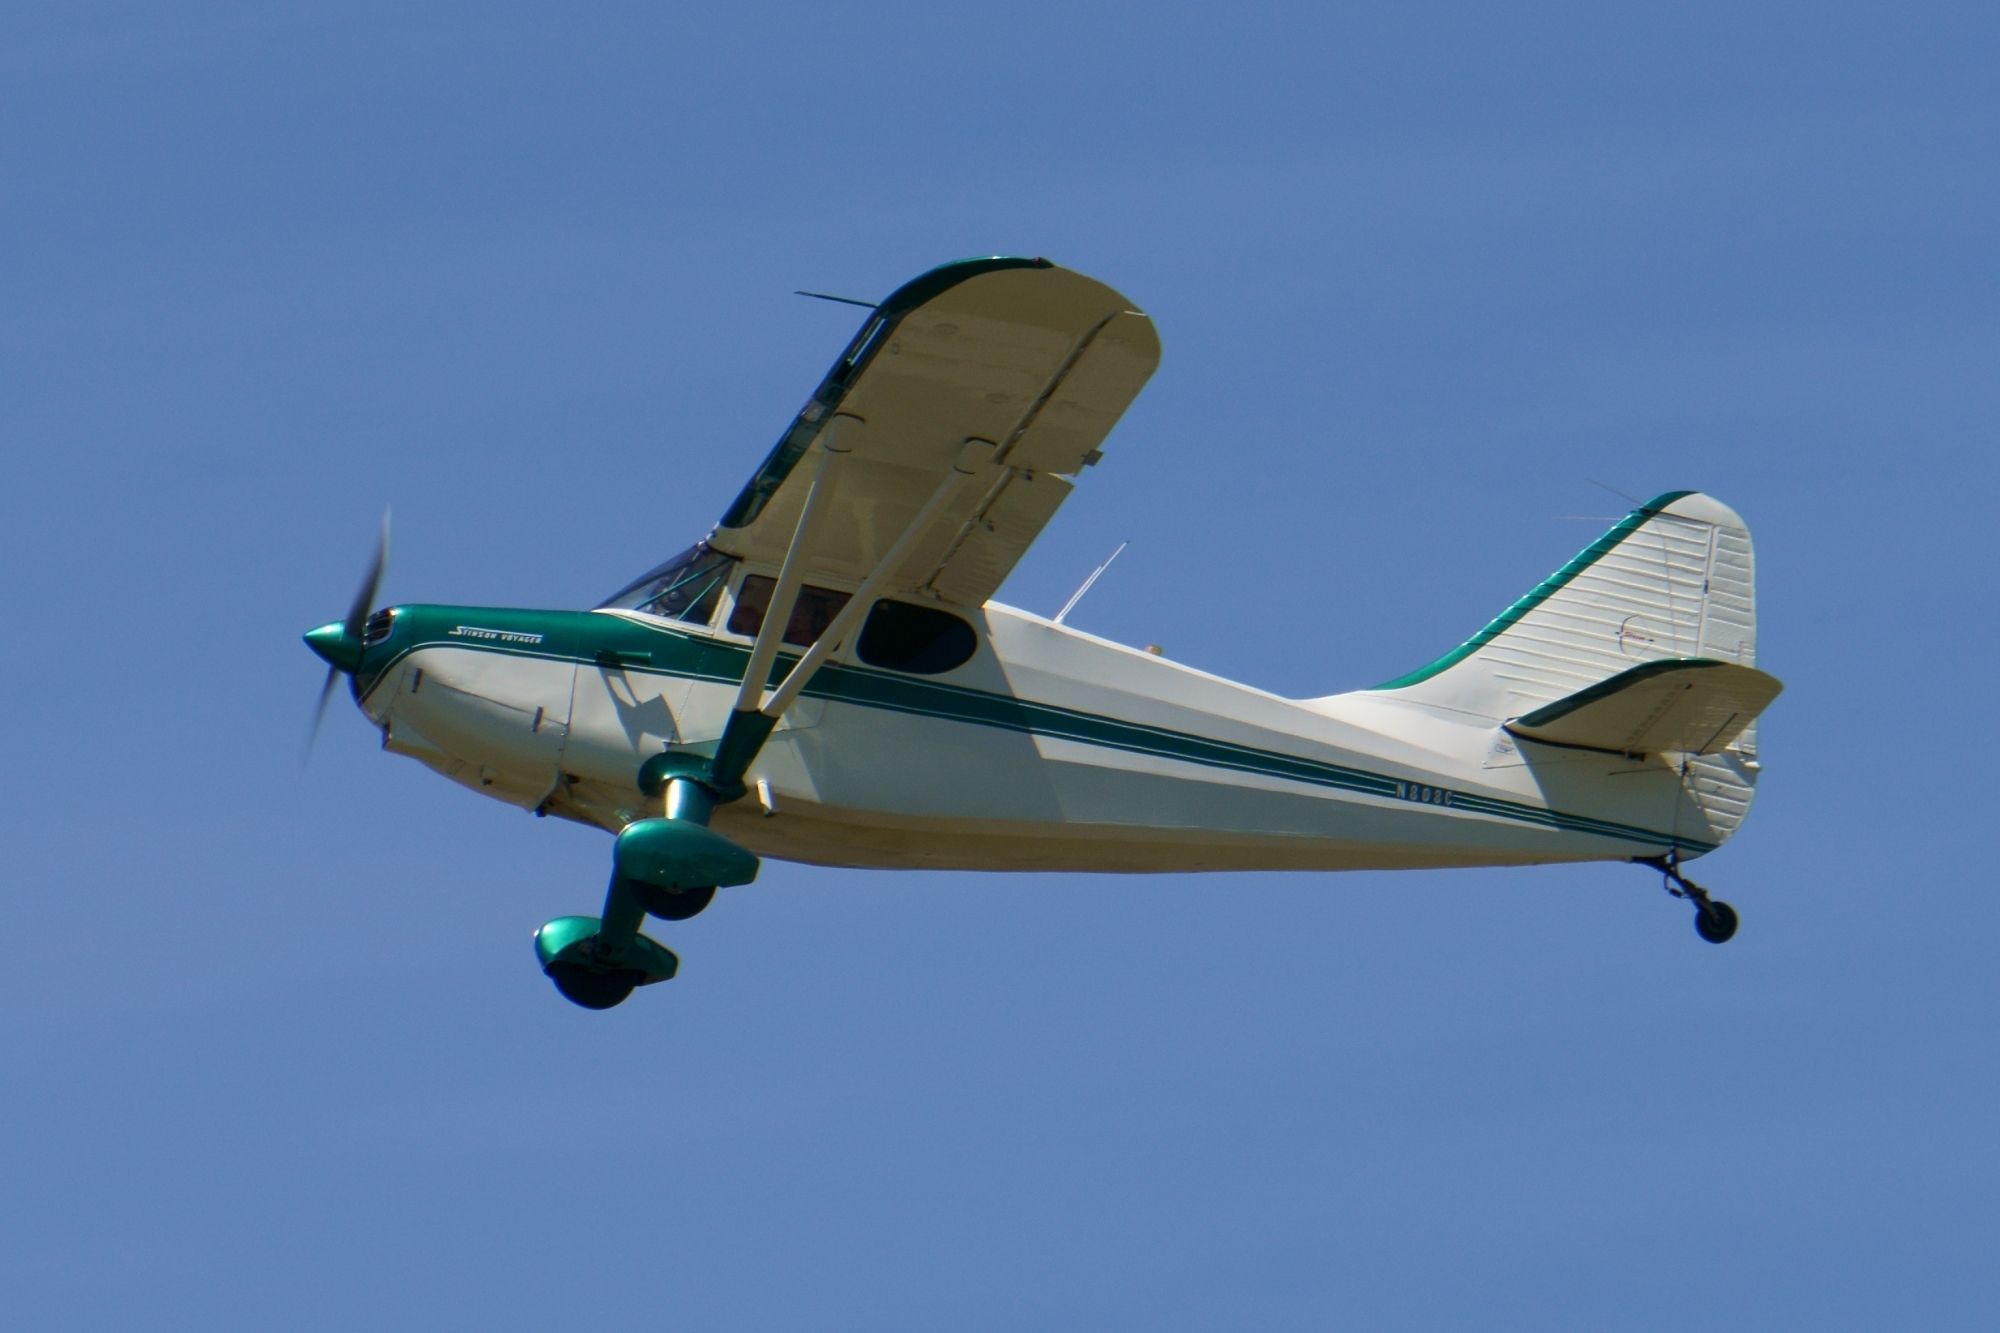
(1714, 920)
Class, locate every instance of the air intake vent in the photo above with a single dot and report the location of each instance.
(378, 628)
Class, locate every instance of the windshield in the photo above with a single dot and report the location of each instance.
(686, 587)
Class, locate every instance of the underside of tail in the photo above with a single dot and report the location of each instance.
(1644, 643)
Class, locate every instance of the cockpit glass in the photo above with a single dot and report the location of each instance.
(686, 587)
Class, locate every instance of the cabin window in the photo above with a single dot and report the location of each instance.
(920, 639)
(686, 587)
(811, 614)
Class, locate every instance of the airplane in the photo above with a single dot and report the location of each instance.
(825, 677)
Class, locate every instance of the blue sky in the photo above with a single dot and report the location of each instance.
(1433, 282)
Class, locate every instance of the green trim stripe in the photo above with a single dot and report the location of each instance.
(589, 638)
(1542, 591)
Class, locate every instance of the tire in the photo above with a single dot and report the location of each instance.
(590, 989)
(1715, 922)
(675, 904)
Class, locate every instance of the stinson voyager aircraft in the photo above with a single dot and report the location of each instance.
(823, 678)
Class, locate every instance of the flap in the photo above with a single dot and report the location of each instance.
(1687, 705)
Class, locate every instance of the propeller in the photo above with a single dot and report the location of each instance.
(340, 643)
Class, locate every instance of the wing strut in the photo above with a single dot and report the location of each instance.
(969, 458)
(791, 574)
(753, 718)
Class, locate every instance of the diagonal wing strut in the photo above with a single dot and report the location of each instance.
(755, 715)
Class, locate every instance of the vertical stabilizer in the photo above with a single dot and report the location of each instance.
(1673, 580)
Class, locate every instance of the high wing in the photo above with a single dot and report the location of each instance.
(959, 414)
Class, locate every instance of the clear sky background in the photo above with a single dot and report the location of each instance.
(1433, 282)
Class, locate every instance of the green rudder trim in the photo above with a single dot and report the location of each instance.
(1542, 591)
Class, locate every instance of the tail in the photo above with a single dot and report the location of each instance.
(1644, 643)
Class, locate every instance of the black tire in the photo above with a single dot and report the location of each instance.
(581, 985)
(1715, 921)
(675, 904)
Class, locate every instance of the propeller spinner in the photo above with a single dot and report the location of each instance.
(339, 642)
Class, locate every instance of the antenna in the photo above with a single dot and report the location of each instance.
(1077, 596)
(844, 300)
(1636, 501)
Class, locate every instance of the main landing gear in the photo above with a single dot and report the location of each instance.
(1714, 920)
(669, 868)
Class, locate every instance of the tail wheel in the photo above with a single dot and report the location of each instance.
(1715, 921)
(583, 985)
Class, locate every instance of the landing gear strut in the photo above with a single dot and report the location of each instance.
(668, 867)
(1714, 920)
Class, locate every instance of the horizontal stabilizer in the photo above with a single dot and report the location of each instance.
(1691, 705)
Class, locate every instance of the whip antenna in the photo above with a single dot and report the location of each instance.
(1077, 596)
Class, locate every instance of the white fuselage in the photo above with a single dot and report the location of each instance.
(1049, 750)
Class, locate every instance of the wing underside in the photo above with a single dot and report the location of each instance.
(999, 376)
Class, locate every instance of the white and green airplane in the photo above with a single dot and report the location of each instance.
(825, 677)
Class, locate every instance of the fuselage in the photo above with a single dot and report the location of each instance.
(1048, 749)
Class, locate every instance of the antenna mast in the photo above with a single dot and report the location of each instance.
(1077, 596)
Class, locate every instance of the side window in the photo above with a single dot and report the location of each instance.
(922, 639)
(813, 612)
